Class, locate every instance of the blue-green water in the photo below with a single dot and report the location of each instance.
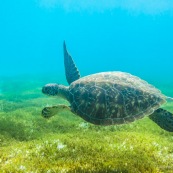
(126, 36)
(134, 37)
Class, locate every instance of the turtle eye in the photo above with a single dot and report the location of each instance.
(44, 90)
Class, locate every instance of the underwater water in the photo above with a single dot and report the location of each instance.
(134, 37)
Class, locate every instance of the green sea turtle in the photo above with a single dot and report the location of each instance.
(108, 98)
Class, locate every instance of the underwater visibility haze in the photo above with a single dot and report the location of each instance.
(102, 36)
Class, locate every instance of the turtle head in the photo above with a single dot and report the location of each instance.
(51, 89)
(54, 89)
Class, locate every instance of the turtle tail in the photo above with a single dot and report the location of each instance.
(169, 98)
(163, 118)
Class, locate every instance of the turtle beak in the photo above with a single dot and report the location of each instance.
(50, 89)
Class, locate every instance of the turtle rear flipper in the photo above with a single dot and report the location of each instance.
(163, 118)
(71, 71)
(50, 111)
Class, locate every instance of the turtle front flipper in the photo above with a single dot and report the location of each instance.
(50, 111)
(163, 118)
(71, 71)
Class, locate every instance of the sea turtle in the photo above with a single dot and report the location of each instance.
(108, 98)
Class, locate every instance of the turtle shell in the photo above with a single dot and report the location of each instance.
(113, 98)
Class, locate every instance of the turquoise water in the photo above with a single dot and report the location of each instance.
(134, 37)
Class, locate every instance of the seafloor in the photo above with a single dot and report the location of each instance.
(66, 143)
